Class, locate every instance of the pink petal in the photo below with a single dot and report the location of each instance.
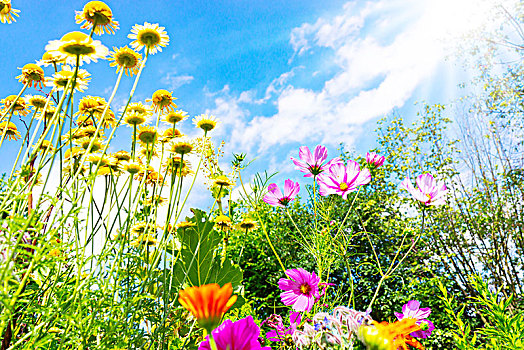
(273, 189)
(305, 154)
(320, 154)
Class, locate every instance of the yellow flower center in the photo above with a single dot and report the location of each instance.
(343, 186)
(148, 37)
(148, 136)
(182, 148)
(206, 125)
(134, 119)
(174, 117)
(305, 288)
(132, 168)
(37, 101)
(126, 59)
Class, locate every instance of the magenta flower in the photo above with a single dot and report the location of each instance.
(428, 192)
(301, 290)
(412, 310)
(240, 335)
(374, 159)
(280, 331)
(341, 180)
(311, 164)
(275, 197)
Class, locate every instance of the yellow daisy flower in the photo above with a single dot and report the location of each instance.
(162, 99)
(147, 135)
(148, 152)
(37, 101)
(31, 73)
(122, 156)
(140, 228)
(146, 239)
(51, 57)
(150, 36)
(47, 115)
(134, 119)
(11, 132)
(30, 177)
(172, 165)
(169, 134)
(20, 106)
(132, 167)
(205, 122)
(73, 168)
(175, 117)
(61, 78)
(223, 181)
(98, 14)
(85, 141)
(138, 107)
(85, 120)
(114, 165)
(88, 130)
(223, 223)
(248, 225)
(109, 120)
(91, 105)
(75, 44)
(45, 146)
(154, 178)
(182, 145)
(74, 152)
(157, 200)
(98, 158)
(104, 171)
(126, 59)
(7, 12)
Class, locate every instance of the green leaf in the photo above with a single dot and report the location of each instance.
(198, 264)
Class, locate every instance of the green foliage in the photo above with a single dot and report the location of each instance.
(503, 324)
(197, 264)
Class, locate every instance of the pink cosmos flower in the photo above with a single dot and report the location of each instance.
(374, 159)
(301, 290)
(341, 180)
(428, 192)
(275, 197)
(280, 331)
(240, 335)
(311, 164)
(412, 310)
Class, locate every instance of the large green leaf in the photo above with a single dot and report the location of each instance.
(198, 263)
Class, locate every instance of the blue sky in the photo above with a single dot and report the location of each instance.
(277, 75)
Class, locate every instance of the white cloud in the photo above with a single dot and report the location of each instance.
(382, 51)
(174, 81)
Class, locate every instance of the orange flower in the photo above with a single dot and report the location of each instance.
(391, 336)
(208, 303)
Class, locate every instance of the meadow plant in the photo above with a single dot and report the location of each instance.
(95, 252)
